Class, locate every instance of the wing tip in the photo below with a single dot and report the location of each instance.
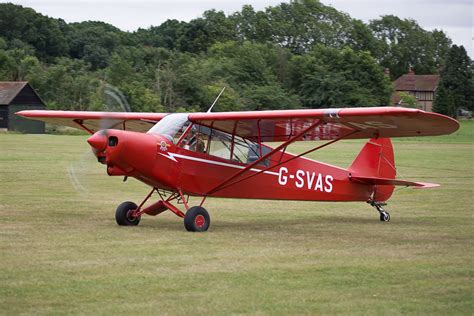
(23, 113)
(426, 185)
(449, 124)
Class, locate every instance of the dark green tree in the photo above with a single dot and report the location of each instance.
(120, 70)
(165, 35)
(456, 87)
(46, 35)
(269, 97)
(329, 77)
(17, 64)
(66, 85)
(251, 26)
(299, 25)
(444, 102)
(201, 33)
(94, 42)
(7, 66)
(442, 44)
(404, 44)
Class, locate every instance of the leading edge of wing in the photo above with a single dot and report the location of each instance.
(92, 121)
(91, 115)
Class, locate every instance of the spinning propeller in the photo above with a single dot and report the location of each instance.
(79, 171)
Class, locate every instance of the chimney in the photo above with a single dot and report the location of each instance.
(386, 71)
(411, 71)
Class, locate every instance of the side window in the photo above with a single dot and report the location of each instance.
(248, 152)
(220, 145)
(241, 150)
(254, 154)
(196, 139)
(203, 139)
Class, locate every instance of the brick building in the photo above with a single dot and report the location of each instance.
(422, 87)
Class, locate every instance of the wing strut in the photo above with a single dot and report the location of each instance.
(248, 167)
(80, 123)
(288, 160)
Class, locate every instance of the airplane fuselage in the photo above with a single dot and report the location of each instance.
(156, 161)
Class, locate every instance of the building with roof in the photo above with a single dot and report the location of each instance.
(422, 87)
(14, 97)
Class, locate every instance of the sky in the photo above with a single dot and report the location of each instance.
(455, 17)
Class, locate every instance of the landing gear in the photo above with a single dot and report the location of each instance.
(125, 214)
(384, 215)
(197, 219)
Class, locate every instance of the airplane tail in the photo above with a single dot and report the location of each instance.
(375, 165)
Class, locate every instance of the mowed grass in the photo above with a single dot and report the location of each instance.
(62, 253)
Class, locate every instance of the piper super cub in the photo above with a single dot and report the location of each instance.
(226, 155)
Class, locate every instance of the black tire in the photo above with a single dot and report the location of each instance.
(197, 219)
(123, 214)
(385, 217)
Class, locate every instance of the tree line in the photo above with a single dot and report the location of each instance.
(301, 54)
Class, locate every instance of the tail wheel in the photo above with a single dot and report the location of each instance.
(197, 219)
(384, 216)
(124, 214)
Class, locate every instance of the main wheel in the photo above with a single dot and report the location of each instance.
(123, 214)
(197, 219)
(384, 216)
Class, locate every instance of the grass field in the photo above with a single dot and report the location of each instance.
(62, 253)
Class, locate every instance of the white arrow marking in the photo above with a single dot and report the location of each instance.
(170, 156)
(173, 156)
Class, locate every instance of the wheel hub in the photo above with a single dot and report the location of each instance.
(131, 216)
(200, 221)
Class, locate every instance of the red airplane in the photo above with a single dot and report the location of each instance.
(224, 155)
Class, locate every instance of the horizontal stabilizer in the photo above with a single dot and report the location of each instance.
(386, 181)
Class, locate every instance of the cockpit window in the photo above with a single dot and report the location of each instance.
(172, 126)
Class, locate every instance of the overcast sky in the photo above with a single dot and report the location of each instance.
(455, 17)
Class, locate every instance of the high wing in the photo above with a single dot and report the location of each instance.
(268, 126)
(349, 123)
(95, 121)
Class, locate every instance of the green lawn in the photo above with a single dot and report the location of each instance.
(62, 253)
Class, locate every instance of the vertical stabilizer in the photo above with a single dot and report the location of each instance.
(376, 159)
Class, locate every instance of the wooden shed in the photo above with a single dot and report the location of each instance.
(14, 97)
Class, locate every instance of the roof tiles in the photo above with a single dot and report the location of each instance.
(412, 82)
(9, 90)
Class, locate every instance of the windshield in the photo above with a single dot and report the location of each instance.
(170, 125)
